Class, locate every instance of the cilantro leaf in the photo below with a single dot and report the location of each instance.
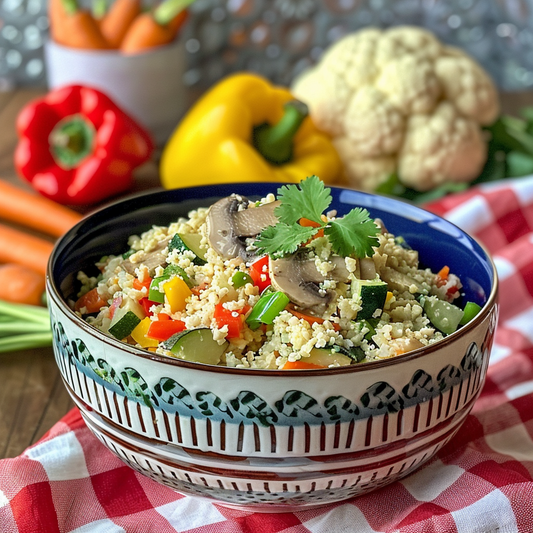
(353, 234)
(283, 239)
(309, 199)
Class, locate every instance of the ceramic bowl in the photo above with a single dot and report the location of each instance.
(269, 440)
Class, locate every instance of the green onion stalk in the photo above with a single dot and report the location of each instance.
(24, 327)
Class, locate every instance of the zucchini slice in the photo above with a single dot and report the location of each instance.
(196, 345)
(373, 293)
(126, 319)
(189, 242)
(328, 356)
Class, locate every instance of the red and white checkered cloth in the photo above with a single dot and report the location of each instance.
(481, 482)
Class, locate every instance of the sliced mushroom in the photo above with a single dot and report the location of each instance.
(151, 260)
(399, 281)
(367, 268)
(252, 221)
(230, 220)
(298, 277)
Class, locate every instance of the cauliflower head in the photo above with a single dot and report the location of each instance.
(399, 100)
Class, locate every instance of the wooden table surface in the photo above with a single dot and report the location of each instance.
(32, 395)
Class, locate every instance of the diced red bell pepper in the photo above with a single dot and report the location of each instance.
(260, 274)
(76, 146)
(147, 304)
(161, 330)
(233, 319)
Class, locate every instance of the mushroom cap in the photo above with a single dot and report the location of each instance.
(298, 277)
(230, 220)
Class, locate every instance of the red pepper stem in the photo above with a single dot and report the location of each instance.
(275, 142)
(71, 141)
(166, 11)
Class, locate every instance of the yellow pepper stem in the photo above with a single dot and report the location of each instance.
(274, 142)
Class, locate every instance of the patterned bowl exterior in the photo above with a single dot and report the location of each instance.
(271, 441)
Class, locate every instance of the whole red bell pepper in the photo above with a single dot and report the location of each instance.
(76, 146)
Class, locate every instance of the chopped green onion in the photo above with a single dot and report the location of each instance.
(267, 308)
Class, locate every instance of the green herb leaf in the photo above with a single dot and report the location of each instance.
(353, 234)
(309, 199)
(283, 239)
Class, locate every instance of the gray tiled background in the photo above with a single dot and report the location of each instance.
(279, 38)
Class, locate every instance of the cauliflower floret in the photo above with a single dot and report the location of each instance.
(372, 123)
(443, 146)
(398, 100)
(366, 172)
(467, 86)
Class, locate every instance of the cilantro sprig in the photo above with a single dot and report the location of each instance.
(354, 234)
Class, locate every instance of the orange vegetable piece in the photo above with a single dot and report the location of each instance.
(91, 300)
(299, 365)
(20, 284)
(74, 27)
(35, 211)
(117, 21)
(24, 249)
(309, 318)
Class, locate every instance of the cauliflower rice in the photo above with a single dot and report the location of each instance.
(220, 300)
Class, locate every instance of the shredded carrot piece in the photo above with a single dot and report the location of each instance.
(309, 318)
(444, 272)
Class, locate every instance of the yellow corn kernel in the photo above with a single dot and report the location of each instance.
(176, 292)
(139, 334)
(389, 297)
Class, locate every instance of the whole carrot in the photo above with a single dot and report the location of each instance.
(35, 211)
(156, 28)
(74, 27)
(117, 21)
(20, 284)
(24, 249)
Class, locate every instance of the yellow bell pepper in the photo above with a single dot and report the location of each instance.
(139, 334)
(176, 292)
(245, 129)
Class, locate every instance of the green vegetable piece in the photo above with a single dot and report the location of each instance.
(155, 294)
(353, 234)
(373, 295)
(470, 311)
(240, 279)
(328, 356)
(355, 353)
(445, 316)
(267, 308)
(189, 242)
(124, 255)
(196, 345)
(519, 164)
(171, 270)
(371, 324)
(123, 323)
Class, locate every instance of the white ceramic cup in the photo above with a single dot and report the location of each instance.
(148, 86)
